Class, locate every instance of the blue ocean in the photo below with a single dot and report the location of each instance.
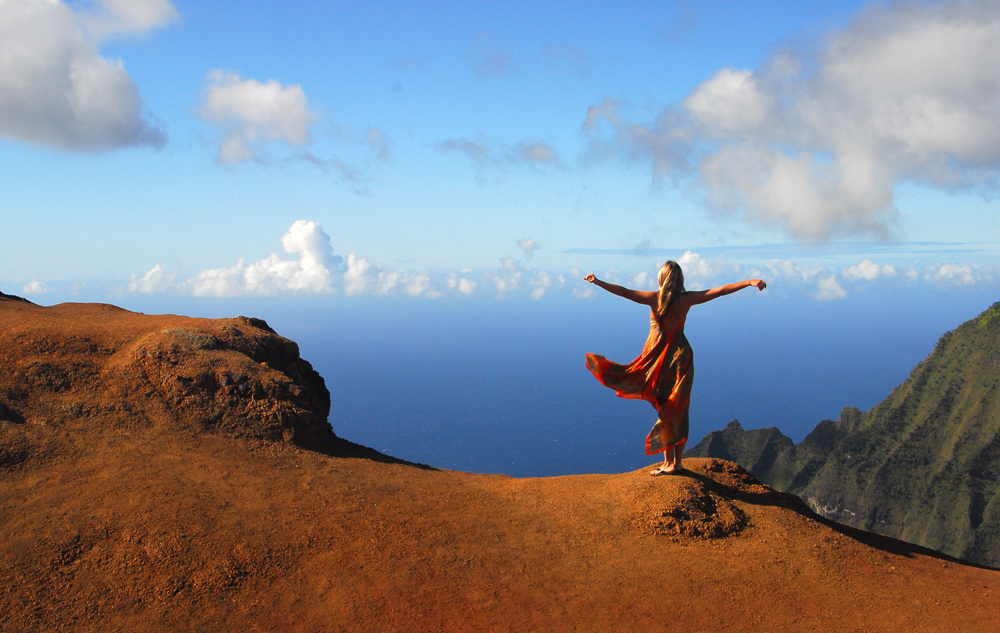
(501, 387)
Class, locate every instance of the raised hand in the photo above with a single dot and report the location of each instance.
(590, 277)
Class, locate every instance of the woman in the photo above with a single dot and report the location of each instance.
(663, 373)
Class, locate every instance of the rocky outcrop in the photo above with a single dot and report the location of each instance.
(98, 367)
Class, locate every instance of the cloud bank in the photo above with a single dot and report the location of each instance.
(815, 142)
(309, 271)
(310, 267)
(57, 90)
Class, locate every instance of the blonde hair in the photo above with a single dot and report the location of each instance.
(671, 280)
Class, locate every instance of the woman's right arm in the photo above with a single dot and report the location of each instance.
(644, 297)
(702, 296)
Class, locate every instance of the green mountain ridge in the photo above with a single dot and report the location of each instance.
(923, 465)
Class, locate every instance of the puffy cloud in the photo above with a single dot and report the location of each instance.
(867, 269)
(248, 113)
(817, 141)
(542, 282)
(512, 276)
(957, 275)
(114, 17)
(34, 287)
(642, 280)
(507, 278)
(829, 289)
(419, 285)
(156, 281)
(696, 267)
(57, 90)
(311, 272)
(364, 277)
(360, 275)
(729, 102)
(789, 269)
(462, 284)
(528, 246)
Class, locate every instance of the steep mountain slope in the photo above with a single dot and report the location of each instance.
(923, 465)
(143, 489)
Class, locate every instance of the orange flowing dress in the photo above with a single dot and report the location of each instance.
(662, 376)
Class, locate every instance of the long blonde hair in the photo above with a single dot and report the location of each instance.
(671, 280)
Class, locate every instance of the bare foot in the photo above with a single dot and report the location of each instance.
(664, 470)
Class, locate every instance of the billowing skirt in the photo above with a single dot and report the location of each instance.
(662, 375)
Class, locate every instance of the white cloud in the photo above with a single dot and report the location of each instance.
(249, 113)
(817, 141)
(466, 286)
(115, 17)
(365, 277)
(420, 284)
(542, 281)
(462, 284)
(360, 275)
(156, 281)
(528, 246)
(310, 273)
(956, 275)
(642, 280)
(731, 102)
(828, 289)
(867, 269)
(57, 90)
(789, 269)
(507, 278)
(696, 267)
(34, 287)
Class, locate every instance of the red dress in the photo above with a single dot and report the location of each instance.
(662, 376)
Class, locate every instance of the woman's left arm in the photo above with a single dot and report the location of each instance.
(702, 296)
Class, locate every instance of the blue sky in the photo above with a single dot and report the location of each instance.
(246, 149)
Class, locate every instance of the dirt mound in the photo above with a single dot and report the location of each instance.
(695, 512)
(707, 501)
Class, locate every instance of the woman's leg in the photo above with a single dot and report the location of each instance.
(668, 464)
(671, 461)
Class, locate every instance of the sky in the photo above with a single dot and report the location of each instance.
(435, 150)
(216, 157)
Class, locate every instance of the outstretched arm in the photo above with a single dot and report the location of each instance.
(702, 296)
(644, 297)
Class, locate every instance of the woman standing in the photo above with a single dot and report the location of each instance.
(663, 373)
